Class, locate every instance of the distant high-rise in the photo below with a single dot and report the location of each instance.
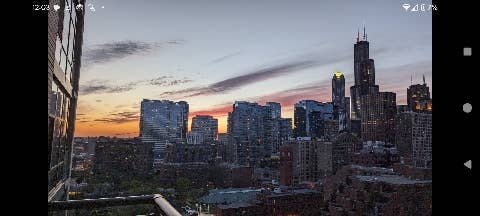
(364, 72)
(341, 104)
(378, 112)
(414, 138)
(418, 98)
(65, 39)
(161, 123)
(206, 125)
(256, 131)
(247, 131)
(309, 117)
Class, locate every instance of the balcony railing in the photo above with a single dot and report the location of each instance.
(164, 206)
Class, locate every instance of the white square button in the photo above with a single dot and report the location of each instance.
(467, 51)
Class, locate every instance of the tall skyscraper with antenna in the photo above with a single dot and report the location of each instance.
(364, 74)
(376, 110)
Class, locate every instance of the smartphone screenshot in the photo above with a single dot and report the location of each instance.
(229, 107)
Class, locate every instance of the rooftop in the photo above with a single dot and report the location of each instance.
(231, 195)
(373, 169)
(235, 205)
(391, 179)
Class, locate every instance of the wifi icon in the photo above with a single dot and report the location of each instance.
(406, 6)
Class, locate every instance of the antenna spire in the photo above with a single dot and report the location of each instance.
(358, 35)
(424, 79)
(411, 80)
(364, 34)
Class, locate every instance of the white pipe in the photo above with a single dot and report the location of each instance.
(165, 205)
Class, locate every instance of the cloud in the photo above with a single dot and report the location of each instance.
(104, 86)
(119, 118)
(225, 57)
(319, 91)
(227, 85)
(107, 52)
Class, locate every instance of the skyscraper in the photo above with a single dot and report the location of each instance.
(341, 104)
(309, 116)
(256, 131)
(247, 132)
(376, 110)
(206, 125)
(338, 92)
(364, 72)
(418, 98)
(65, 38)
(161, 123)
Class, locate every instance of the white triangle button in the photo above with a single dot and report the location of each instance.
(468, 164)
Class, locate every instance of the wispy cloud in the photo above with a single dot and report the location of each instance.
(107, 52)
(255, 76)
(225, 57)
(104, 86)
(119, 118)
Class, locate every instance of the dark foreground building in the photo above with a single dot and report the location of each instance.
(278, 202)
(360, 190)
(118, 159)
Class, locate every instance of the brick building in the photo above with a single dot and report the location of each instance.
(359, 190)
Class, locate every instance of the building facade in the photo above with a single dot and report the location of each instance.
(195, 138)
(65, 38)
(161, 123)
(418, 98)
(206, 125)
(378, 112)
(247, 131)
(118, 159)
(414, 138)
(343, 148)
(363, 190)
(305, 159)
(256, 132)
(309, 118)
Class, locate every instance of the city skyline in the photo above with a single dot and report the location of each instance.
(211, 62)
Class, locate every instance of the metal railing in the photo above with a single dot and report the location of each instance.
(156, 199)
